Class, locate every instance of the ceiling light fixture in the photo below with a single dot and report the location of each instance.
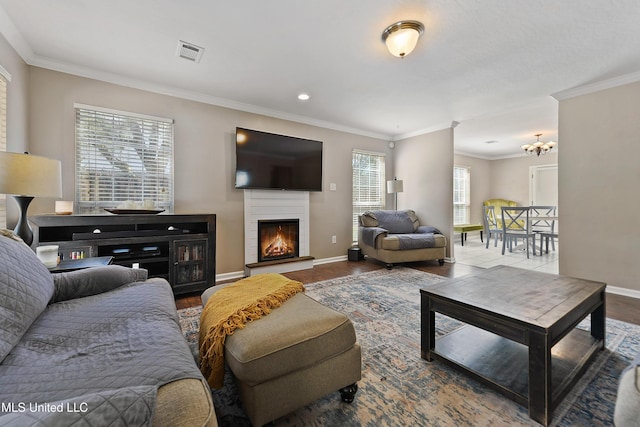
(401, 38)
(304, 97)
(538, 147)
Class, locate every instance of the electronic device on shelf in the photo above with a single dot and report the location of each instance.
(136, 252)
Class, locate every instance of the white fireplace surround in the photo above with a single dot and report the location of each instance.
(274, 205)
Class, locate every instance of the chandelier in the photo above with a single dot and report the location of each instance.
(538, 147)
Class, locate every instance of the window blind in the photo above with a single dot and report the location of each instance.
(368, 184)
(461, 195)
(122, 157)
(3, 143)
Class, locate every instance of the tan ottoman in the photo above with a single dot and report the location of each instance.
(300, 352)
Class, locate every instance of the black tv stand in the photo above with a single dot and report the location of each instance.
(179, 248)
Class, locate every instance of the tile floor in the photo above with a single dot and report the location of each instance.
(475, 253)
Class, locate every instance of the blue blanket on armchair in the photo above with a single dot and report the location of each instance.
(416, 241)
(394, 221)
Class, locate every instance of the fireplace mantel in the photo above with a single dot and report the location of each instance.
(275, 205)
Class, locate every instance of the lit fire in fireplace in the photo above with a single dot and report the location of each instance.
(279, 247)
(278, 239)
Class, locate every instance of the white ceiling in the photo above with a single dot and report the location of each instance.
(490, 65)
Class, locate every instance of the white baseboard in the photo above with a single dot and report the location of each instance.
(625, 292)
(330, 260)
(229, 276)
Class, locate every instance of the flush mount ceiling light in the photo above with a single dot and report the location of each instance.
(538, 147)
(304, 97)
(401, 38)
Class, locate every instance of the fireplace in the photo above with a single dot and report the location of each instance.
(278, 239)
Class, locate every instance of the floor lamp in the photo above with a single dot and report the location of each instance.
(395, 186)
(26, 176)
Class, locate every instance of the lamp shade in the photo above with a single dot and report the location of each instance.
(394, 186)
(29, 175)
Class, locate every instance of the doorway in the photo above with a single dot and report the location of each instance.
(543, 185)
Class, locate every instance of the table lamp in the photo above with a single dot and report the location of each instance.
(26, 176)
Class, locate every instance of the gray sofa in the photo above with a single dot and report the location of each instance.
(397, 236)
(627, 411)
(100, 346)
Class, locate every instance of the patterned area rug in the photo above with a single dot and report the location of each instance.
(399, 388)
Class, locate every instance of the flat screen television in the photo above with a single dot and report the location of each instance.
(277, 162)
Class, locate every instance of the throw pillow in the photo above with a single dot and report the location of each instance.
(26, 286)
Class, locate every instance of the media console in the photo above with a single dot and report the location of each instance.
(179, 248)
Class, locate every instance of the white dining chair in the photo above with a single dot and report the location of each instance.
(491, 225)
(545, 226)
(515, 225)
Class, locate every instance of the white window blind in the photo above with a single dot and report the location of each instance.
(368, 184)
(122, 157)
(461, 195)
(3, 143)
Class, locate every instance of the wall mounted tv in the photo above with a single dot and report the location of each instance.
(277, 162)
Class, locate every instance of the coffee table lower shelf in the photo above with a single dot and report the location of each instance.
(503, 364)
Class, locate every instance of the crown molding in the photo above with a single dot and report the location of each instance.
(474, 155)
(121, 80)
(500, 157)
(19, 43)
(419, 132)
(14, 37)
(597, 86)
(4, 73)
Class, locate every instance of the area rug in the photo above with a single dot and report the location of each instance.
(399, 388)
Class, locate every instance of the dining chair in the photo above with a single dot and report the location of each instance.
(491, 226)
(545, 228)
(516, 225)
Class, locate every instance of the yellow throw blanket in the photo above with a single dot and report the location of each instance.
(231, 308)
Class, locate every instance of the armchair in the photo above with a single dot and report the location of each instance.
(397, 236)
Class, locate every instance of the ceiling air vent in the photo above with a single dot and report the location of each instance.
(189, 51)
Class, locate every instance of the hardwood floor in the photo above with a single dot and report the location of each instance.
(618, 307)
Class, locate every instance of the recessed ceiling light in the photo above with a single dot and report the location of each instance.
(304, 97)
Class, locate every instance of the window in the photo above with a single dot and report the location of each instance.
(122, 157)
(461, 198)
(3, 138)
(368, 184)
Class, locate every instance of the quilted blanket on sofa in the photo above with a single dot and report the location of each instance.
(83, 349)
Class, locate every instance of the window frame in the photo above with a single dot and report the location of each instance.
(359, 189)
(462, 203)
(134, 155)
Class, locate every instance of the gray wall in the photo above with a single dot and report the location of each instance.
(598, 186)
(480, 170)
(204, 156)
(510, 177)
(425, 164)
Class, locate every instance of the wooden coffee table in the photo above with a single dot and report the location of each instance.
(520, 336)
